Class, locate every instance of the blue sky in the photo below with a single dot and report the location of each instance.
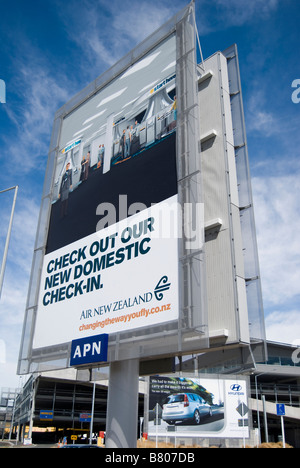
(51, 49)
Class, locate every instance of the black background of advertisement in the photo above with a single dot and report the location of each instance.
(150, 177)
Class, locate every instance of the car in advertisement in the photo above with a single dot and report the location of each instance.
(185, 407)
(198, 406)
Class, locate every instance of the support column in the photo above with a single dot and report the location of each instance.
(122, 404)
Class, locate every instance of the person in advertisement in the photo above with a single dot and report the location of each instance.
(135, 146)
(82, 168)
(100, 156)
(65, 187)
(174, 109)
(127, 142)
(122, 145)
(87, 165)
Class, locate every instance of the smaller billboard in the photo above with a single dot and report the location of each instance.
(198, 407)
(85, 417)
(46, 414)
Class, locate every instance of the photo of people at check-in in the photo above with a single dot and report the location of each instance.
(126, 146)
(157, 121)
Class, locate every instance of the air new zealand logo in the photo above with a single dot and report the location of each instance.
(161, 286)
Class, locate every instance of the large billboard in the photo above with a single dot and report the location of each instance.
(111, 260)
(119, 246)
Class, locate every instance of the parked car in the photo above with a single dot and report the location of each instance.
(185, 407)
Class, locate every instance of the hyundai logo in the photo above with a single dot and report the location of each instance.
(235, 387)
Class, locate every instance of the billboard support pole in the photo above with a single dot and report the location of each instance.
(92, 415)
(122, 404)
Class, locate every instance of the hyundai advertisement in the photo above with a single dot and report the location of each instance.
(213, 406)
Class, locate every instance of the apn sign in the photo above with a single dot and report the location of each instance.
(89, 350)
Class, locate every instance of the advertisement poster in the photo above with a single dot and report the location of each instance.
(198, 407)
(111, 262)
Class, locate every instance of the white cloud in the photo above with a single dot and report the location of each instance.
(8, 377)
(15, 286)
(259, 117)
(138, 19)
(40, 95)
(19, 260)
(235, 12)
(23, 233)
(264, 122)
(106, 31)
(283, 327)
(219, 15)
(277, 213)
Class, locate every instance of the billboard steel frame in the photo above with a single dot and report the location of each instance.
(191, 330)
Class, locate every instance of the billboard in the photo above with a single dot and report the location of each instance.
(204, 406)
(119, 246)
(109, 265)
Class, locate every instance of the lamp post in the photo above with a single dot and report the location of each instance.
(8, 234)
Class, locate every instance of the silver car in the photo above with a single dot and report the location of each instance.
(185, 407)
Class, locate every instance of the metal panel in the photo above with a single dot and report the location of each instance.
(252, 273)
(224, 247)
(221, 287)
(192, 273)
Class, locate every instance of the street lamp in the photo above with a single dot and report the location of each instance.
(8, 235)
